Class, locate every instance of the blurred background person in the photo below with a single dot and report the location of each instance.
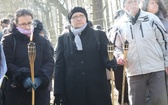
(3, 70)
(4, 22)
(43, 31)
(158, 8)
(118, 73)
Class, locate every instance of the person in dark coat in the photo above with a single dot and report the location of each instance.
(15, 44)
(80, 71)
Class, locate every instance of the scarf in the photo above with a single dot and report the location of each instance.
(77, 39)
(25, 32)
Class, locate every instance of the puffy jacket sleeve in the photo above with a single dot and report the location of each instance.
(161, 37)
(118, 43)
(8, 46)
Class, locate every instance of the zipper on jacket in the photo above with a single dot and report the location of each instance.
(131, 32)
(141, 30)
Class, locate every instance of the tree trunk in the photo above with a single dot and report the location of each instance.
(97, 12)
(107, 13)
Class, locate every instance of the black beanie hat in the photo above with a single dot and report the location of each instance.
(77, 9)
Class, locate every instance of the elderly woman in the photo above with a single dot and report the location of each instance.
(156, 7)
(80, 69)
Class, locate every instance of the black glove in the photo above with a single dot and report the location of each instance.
(37, 82)
(20, 75)
(28, 84)
(25, 71)
(60, 99)
(112, 64)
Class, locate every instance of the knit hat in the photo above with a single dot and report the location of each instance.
(77, 9)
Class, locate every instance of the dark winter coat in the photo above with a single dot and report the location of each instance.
(163, 20)
(17, 57)
(81, 75)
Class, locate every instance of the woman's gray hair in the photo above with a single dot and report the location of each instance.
(161, 6)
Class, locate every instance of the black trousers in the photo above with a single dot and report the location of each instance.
(118, 83)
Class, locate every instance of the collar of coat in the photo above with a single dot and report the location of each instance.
(143, 17)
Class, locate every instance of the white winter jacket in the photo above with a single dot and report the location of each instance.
(148, 50)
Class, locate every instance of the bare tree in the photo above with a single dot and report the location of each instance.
(53, 13)
(97, 12)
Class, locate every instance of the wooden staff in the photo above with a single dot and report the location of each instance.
(110, 48)
(32, 56)
(126, 44)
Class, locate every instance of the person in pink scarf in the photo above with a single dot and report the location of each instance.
(15, 44)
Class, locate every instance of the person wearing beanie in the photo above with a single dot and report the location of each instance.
(81, 63)
(77, 9)
(147, 56)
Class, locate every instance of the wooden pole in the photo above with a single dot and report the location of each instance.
(110, 48)
(32, 55)
(126, 44)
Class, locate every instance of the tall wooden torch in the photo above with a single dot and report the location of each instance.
(126, 45)
(110, 48)
(32, 56)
